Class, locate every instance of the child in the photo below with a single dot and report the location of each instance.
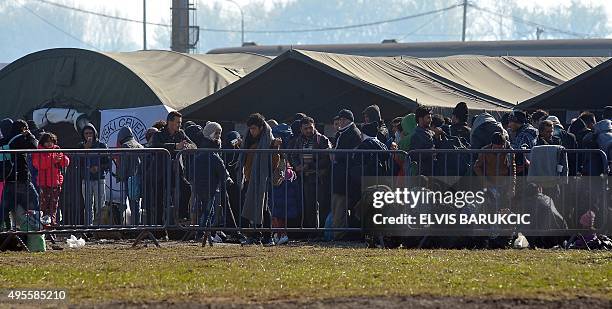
(50, 178)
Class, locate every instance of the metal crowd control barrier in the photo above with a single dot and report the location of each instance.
(578, 184)
(100, 191)
(316, 182)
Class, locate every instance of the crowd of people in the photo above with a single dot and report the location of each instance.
(314, 187)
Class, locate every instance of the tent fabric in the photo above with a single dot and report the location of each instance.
(484, 83)
(531, 48)
(587, 91)
(90, 81)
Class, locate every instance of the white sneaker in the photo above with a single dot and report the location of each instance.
(282, 240)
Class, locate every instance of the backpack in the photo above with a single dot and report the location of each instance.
(452, 164)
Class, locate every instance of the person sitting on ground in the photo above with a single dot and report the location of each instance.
(50, 178)
(544, 216)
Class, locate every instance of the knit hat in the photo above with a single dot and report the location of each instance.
(370, 129)
(345, 113)
(210, 128)
(518, 117)
(193, 132)
(461, 111)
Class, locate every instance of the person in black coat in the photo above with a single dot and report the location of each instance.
(372, 115)
(368, 164)
(459, 126)
(424, 138)
(212, 176)
(349, 137)
(18, 187)
(173, 138)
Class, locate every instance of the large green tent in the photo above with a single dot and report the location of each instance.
(320, 84)
(91, 81)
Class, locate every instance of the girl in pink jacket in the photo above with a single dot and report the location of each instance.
(50, 178)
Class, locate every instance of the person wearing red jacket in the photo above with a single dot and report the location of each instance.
(50, 178)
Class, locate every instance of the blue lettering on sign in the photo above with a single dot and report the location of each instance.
(138, 128)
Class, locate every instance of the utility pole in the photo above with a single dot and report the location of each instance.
(465, 4)
(539, 32)
(144, 24)
(180, 26)
(241, 19)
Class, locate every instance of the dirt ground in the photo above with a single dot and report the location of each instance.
(385, 302)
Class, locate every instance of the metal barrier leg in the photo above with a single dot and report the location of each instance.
(142, 235)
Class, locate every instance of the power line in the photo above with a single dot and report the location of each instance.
(100, 14)
(375, 23)
(322, 29)
(58, 28)
(417, 29)
(531, 23)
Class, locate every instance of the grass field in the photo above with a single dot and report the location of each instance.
(246, 274)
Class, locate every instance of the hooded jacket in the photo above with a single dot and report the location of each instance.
(49, 166)
(408, 126)
(482, 130)
(102, 161)
(373, 113)
(599, 138)
(580, 130)
(603, 130)
(526, 135)
(128, 165)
